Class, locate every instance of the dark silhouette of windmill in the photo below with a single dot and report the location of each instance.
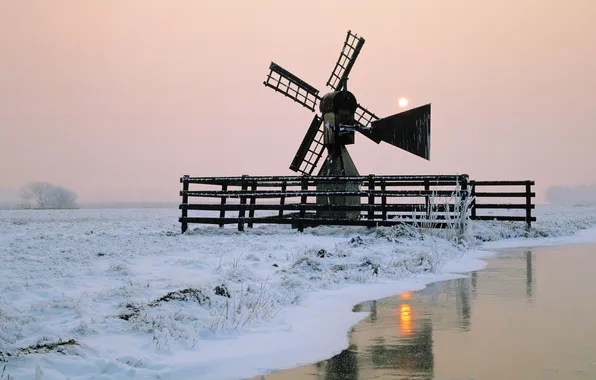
(341, 116)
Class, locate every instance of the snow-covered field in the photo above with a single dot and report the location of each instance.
(119, 294)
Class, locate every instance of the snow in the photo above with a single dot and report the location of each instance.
(104, 278)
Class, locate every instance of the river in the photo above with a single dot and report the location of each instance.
(531, 314)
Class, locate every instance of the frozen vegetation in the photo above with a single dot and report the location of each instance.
(120, 294)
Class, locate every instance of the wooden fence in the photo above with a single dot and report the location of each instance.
(489, 195)
(435, 201)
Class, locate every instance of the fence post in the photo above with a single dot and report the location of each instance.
(371, 197)
(282, 200)
(241, 212)
(463, 211)
(251, 209)
(528, 204)
(464, 194)
(303, 200)
(383, 200)
(222, 211)
(473, 203)
(184, 223)
(427, 198)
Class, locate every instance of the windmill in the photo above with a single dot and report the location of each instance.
(340, 117)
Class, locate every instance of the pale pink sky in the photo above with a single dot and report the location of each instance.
(118, 99)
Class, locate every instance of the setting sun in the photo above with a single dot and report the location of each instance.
(403, 102)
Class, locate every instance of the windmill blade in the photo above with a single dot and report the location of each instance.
(346, 60)
(409, 130)
(311, 149)
(283, 81)
(364, 116)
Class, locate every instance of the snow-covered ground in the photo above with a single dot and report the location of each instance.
(120, 294)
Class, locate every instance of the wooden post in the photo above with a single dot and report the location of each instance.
(303, 200)
(184, 223)
(383, 200)
(222, 211)
(371, 197)
(251, 209)
(464, 195)
(282, 200)
(241, 212)
(463, 212)
(529, 204)
(473, 204)
(427, 199)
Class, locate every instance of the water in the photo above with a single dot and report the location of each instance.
(530, 315)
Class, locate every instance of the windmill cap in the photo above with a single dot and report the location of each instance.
(338, 100)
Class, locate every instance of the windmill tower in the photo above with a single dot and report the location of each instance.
(341, 116)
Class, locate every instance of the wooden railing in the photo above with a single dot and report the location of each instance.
(483, 199)
(381, 200)
(434, 201)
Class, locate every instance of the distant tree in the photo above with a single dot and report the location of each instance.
(47, 195)
(37, 192)
(60, 197)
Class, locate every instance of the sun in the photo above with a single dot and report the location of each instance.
(403, 102)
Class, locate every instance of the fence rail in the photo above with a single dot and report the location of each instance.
(429, 200)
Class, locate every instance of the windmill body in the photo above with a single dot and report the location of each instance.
(341, 116)
(338, 109)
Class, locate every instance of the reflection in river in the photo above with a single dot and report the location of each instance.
(493, 324)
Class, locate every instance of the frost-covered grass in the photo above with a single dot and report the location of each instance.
(120, 293)
(552, 221)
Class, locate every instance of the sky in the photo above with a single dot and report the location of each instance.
(118, 99)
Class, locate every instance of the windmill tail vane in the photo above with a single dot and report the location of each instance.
(340, 115)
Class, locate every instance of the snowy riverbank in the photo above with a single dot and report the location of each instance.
(111, 294)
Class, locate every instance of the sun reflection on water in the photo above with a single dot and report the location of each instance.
(405, 318)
